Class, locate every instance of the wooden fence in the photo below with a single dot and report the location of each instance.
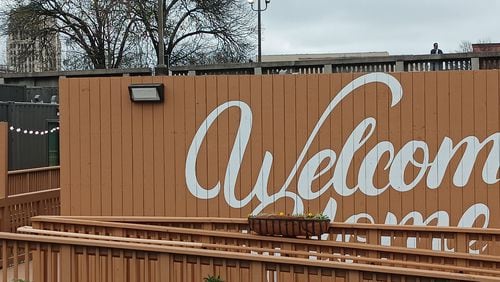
(33, 180)
(78, 249)
(25, 193)
(415, 148)
(16, 211)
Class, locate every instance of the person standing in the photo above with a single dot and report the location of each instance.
(436, 65)
(436, 50)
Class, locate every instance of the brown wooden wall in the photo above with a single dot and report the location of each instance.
(124, 158)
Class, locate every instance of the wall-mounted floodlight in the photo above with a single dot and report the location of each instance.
(146, 92)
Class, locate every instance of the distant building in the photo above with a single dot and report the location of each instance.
(320, 56)
(32, 51)
(485, 47)
(4, 69)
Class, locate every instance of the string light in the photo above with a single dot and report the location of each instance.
(33, 132)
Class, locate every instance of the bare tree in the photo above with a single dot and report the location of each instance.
(98, 29)
(124, 33)
(200, 31)
(465, 46)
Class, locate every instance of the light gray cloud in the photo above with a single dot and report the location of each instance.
(397, 26)
(400, 27)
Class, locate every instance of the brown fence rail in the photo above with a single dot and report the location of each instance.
(77, 259)
(25, 193)
(17, 210)
(33, 180)
(274, 246)
(448, 239)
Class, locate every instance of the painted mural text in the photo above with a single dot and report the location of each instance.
(306, 171)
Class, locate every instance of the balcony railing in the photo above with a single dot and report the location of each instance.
(403, 63)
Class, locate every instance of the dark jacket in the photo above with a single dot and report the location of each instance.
(439, 52)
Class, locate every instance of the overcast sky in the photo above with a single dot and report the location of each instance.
(396, 26)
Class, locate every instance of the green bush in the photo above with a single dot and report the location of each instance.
(213, 278)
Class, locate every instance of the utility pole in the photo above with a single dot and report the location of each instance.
(161, 68)
(259, 10)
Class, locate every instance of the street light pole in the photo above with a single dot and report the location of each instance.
(161, 42)
(259, 27)
(259, 10)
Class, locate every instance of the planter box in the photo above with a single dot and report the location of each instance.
(288, 226)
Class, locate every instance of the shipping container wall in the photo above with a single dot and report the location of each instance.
(28, 141)
(403, 148)
(13, 93)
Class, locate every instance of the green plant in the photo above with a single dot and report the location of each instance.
(317, 216)
(213, 278)
(19, 280)
(321, 216)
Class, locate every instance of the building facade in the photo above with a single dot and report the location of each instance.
(28, 51)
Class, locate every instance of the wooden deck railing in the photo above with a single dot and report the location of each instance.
(16, 211)
(25, 193)
(448, 239)
(277, 246)
(83, 257)
(26, 180)
(33, 180)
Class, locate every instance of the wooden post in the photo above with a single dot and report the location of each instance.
(4, 159)
(256, 271)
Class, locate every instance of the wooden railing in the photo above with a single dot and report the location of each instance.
(25, 193)
(67, 256)
(223, 240)
(16, 211)
(33, 180)
(446, 239)
(28, 193)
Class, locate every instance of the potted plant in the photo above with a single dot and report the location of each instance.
(289, 225)
(213, 278)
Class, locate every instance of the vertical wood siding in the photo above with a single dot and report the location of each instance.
(124, 158)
